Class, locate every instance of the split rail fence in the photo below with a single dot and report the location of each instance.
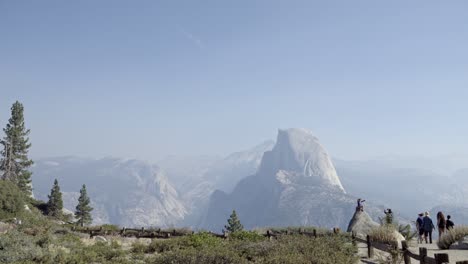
(422, 257)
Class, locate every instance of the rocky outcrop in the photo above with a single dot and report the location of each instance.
(361, 223)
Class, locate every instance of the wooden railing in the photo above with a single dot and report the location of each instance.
(168, 233)
(423, 258)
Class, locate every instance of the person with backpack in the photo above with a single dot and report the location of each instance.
(428, 226)
(449, 224)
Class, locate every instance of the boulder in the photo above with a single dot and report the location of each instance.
(361, 223)
(399, 237)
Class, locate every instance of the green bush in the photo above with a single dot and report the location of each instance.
(195, 256)
(11, 200)
(247, 236)
(203, 239)
(139, 248)
(243, 247)
(108, 227)
(17, 247)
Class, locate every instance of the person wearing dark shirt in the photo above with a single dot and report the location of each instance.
(428, 226)
(449, 224)
(360, 207)
(419, 227)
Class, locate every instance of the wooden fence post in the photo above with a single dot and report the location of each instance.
(422, 255)
(404, 247)
(315, 233)
(462, 262)
(370, 249)
(441, 258)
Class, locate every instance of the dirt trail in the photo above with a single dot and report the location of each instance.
(455, 252)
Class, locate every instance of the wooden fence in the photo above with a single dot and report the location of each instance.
(423, 258)
(164, 234)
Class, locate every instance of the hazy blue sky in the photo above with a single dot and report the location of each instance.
(148, 78)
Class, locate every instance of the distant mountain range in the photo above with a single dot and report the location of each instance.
(124, 192)
(294, 183)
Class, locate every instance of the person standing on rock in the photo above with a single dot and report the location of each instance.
(428, 226)
(420, 228)
(360, 207)
(388, 216)
(449, 224)
(441, 223)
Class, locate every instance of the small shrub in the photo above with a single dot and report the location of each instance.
(246, 236)
(195, 256)
(405, 230)
(138, 248)
(203, 239)
(17, 247)
(109, 227)
(161, 246)
(451, 236)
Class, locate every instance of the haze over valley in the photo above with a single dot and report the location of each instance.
(292, 181)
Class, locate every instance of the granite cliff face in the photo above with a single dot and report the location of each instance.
(296, 184)
(223, 175)
(124, 192)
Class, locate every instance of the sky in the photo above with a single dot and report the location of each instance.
(146, 79)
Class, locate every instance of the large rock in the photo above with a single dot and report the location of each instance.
(362, 223)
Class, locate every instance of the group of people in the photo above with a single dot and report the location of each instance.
(425, 225)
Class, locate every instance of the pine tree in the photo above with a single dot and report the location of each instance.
(14, 161)
(55, 203)
(83, 209)
(234, 223)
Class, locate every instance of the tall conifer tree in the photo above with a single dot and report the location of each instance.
(83, 209)
(14, 163)
(234, 223)
(55, 203)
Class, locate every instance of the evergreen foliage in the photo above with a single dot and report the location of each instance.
(234, 223)
(83, 209)
(11, 200)
(14, 161)
(55, 203)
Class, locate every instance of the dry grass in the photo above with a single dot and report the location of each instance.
(451, 236)
(384, 234)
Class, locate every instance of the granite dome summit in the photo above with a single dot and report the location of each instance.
(296, 185)
(299, 151)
